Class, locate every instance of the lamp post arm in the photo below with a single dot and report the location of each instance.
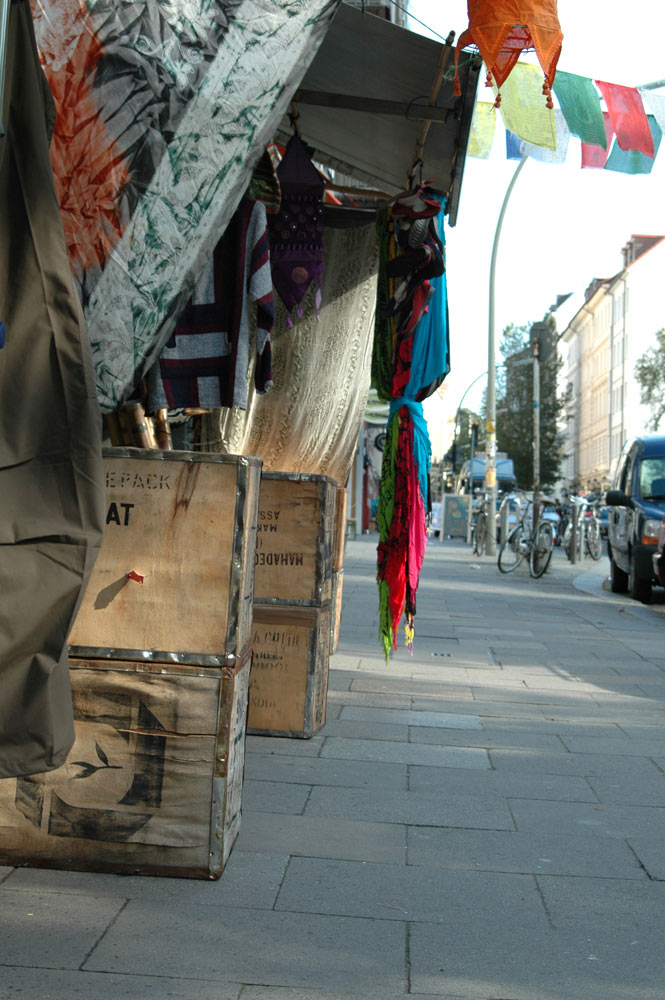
(490, 427)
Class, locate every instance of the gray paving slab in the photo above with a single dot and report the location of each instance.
(497, 960)
(649, 850)
(484, 709)
(365, 730)
(256, 947)
(4, 873)
(377, 699)
(445, 720)
(52, 930)
(592, 820)
(249, 879)
(412, 687)
(523, 853)
(453, 809)
(286, 993)
(325, 771)
(322, 837)
(644, 788)
(502, 784)
(486, 738)
(56, 984)
(617, 747)
(402, 892)
(588, 765)
(285, 745)
(606, 905)
(340, 679)
(405, 753)
(274, 796)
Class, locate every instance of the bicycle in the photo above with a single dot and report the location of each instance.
(524, 542)
(588, 532)
(480, 530)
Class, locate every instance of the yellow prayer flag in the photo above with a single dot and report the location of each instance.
(523, 108)
(482, 130)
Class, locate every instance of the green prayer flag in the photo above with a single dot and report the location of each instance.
(631, 161)
(580, 103)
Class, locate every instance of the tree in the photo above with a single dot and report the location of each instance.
(514, 405)
(650, 376)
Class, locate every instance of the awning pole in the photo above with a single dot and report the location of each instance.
(4, 22)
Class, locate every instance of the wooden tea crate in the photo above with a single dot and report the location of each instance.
(153, 783)
(289, 677)
(174, 579)
(341, 497)
(295, 541)
(336, 615)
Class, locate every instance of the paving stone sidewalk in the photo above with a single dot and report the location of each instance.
(484, 820)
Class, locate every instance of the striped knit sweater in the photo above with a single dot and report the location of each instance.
(206, 361)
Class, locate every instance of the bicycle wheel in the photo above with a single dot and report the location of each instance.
(592, 537)
(512, 551)
(541, 550)
(480, 536)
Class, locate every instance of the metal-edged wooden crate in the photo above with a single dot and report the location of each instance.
(336, 610)
(289, 678)
(153, 783)
(174, 579)
(295, 541)
(341, 498)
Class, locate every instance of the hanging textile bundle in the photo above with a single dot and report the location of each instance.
(410, 360)
(503, 29)
(296, 231)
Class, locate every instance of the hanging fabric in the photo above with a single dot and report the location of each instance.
(206, 360)
(52, 502)
(631, 161)
(163, 112)
(483, 128)
(296, 231)
(411, 357)
(503, 29)
(544, 155)
(628, 117)
(596, 156)
(580, 103)
(522, 108)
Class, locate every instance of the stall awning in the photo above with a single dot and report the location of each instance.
(364, 60)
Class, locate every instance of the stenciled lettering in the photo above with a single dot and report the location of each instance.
(113, 515)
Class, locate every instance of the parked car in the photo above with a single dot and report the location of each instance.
(637, 500)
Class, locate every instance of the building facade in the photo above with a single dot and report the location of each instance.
(610, 328)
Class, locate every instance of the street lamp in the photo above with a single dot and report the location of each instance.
(490, 426)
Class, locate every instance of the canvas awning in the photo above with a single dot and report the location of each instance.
(361, 105)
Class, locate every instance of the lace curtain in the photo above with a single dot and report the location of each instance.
(310, 421)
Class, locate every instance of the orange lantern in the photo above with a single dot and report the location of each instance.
(502, 29)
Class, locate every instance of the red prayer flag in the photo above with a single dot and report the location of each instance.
(596, 156)
(628, 117)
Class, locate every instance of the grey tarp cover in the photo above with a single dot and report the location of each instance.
(51, 476)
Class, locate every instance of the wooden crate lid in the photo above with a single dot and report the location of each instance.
(172, 568)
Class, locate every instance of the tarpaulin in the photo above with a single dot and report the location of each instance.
(51, 477)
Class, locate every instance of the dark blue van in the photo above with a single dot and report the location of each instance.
(637, 500)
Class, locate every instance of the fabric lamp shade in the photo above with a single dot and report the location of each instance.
(503, 29)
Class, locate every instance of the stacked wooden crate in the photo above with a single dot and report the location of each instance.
(160, 660)
(293, 594)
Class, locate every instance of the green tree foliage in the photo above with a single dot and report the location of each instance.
(514, 406)
(650, 376)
